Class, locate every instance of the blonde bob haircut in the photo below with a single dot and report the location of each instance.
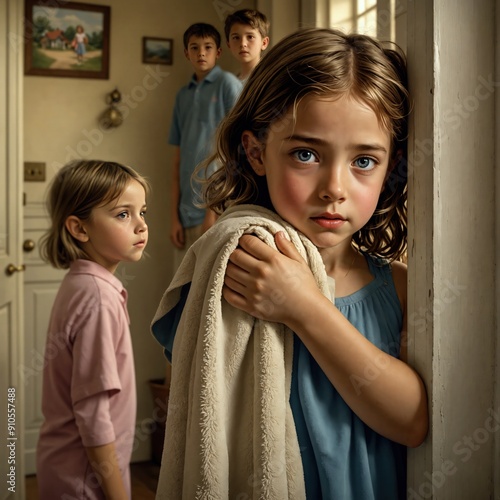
(77, 188)
(329, 64)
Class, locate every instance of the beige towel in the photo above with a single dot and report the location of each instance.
(230, 431)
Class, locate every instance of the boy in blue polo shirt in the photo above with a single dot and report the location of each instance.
(199, 108)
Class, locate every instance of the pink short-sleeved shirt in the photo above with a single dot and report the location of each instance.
(89, 396)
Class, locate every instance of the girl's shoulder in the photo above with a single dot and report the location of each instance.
(399, 276)
(396, 270)
(399, 271)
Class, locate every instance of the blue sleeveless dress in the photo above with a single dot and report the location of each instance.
(343, 458)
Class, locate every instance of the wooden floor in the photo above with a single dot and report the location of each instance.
(144, 477)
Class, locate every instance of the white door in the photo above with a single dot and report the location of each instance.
(41, 282)
(11, 264)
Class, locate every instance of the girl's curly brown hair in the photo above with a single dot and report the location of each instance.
(326, 63)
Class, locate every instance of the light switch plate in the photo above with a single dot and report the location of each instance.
(34, 171)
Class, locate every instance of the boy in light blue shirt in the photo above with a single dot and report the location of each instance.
(199, 107)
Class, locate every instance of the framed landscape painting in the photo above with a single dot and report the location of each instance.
(67, 39)
(157, 50)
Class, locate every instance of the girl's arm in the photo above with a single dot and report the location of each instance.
(386, 393)
(105, 464)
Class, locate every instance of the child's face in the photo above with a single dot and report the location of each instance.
(246, 43)
(202, 54)
(325, 172)
(117, 231)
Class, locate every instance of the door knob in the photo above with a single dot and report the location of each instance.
(28, 245)
(11, 269)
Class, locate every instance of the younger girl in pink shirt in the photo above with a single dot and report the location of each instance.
(89, 398)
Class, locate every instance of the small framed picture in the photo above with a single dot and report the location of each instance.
(157, 50)
(68, 39)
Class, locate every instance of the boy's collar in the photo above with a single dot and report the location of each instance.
(209, 77)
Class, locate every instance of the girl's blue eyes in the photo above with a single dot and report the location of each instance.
(124, 215)
(305, 156)
(365, 163)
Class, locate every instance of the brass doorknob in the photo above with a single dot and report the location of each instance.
(28, 245)
(11, 269)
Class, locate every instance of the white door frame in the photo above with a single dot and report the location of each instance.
(11, 286)
(451, 274)
(496, 460)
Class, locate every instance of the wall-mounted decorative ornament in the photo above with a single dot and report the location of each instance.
(112, 117)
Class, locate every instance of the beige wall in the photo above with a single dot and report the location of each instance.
(496, 463)
(60, 123)
(283, 14)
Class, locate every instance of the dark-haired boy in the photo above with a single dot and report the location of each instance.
(246, 33)
(199, 107)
